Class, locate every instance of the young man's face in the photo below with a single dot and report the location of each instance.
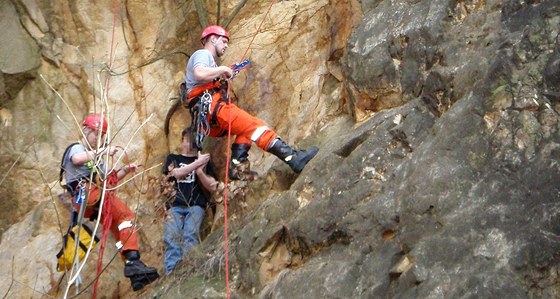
(221, 44)
(91, 137)
(187, 142)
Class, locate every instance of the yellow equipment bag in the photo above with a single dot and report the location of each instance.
(65, 256)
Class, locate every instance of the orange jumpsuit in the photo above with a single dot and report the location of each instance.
(121, 218)
(246, 128)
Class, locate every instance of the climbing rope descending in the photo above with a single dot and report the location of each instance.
(228, 158)
(105, 214)
(112, 178)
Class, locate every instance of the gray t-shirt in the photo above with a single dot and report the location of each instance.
(200, 57)
(76, 172)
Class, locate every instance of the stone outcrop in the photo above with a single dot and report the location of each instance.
(437, 125)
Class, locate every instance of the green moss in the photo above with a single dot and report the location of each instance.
(501, 97)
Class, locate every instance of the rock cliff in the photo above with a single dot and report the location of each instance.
(436, 120)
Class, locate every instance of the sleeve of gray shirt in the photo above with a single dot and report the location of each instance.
(75, 172)
(200, 57)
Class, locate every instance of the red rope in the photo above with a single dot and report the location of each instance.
(112, 178)
(106, 217)
(258, 29)
(115, 8)
(228, 157)
(226, 189)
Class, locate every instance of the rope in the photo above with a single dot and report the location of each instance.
(226, 190)
(112, 176)
(258, 29)
(228, 157)
(112, 180)
(126, 161)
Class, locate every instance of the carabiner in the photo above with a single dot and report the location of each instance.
(81, 192)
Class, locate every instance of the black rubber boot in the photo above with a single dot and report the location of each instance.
(296, 159)
(239, 167)
(140, 275)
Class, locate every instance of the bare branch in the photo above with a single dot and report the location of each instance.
(234, 13)
(76, 122)
(176, 105)
(16, 161)
(219, 12)
(159, 57)
(202, 13)
(132, 178)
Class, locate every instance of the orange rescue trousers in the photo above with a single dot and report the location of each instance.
(120, 215)
(245, 127)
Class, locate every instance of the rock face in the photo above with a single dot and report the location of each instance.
(437, 125)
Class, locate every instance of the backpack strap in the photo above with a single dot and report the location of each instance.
(62, 163)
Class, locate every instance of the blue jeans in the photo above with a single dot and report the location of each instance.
(180, 233)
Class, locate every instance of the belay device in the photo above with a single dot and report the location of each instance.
(239, 67)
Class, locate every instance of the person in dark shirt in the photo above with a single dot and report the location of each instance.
(194, 181)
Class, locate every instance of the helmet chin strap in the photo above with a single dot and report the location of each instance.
(215, 42)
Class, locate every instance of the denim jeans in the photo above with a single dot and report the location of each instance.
(180, 233)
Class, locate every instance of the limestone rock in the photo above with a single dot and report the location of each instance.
(437, 125)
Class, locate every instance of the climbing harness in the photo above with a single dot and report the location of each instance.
(199, 106)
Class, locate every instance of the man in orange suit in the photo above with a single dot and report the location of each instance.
(82, 174)
(205, 77)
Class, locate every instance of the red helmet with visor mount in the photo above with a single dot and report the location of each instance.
(94, 121)
(213, 29)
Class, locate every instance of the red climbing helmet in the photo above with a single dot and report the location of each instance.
(93, 121)
(213, 29)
